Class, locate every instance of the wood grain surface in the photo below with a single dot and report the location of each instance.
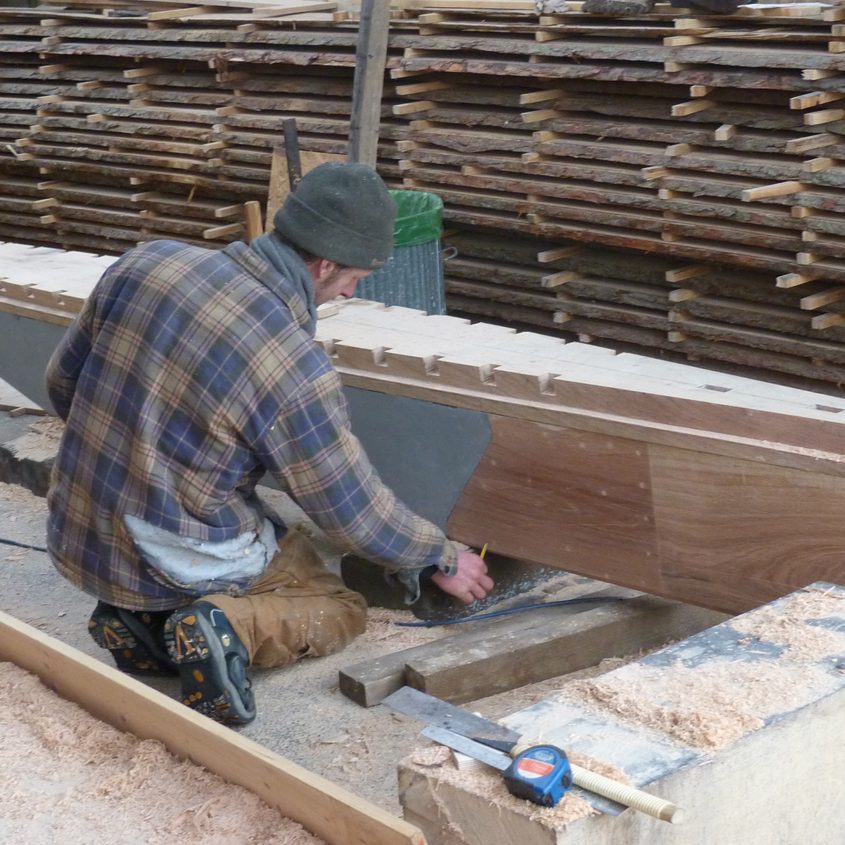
(711, 530)
(566, 498)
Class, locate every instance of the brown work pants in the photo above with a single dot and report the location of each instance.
(298, 608)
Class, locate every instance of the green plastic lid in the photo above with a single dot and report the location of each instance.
(418, 217)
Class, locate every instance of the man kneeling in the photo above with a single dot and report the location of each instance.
(188, 375)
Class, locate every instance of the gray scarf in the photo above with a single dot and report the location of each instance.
(278, 254)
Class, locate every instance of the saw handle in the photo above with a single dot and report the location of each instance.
(627, 795)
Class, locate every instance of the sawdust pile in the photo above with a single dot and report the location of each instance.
(67, 777)
(381, 627)
(487, 783)
(49, 427)
(17, 495)
(708, 706)
(790, 625)
(431, 756)
(714, 704)
(40, 441)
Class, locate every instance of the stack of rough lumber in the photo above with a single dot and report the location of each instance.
(667, 180)
(158, 120)
(709, 144)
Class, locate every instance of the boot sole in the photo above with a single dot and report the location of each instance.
(130, 655)
(197, 650)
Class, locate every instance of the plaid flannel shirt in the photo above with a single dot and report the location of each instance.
(188, 374)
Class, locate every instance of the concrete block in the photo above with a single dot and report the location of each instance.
(741, 725)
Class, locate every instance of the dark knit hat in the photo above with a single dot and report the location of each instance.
(342, 212)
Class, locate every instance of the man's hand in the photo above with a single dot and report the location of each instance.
(470, 582)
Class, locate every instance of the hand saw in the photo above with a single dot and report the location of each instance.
(501, 748)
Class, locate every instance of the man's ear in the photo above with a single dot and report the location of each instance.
(325, 267)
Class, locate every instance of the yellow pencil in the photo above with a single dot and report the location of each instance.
(483, 551)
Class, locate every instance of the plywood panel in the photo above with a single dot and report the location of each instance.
(572, 499)
(734, 534)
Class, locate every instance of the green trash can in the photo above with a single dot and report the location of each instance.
(413, 275)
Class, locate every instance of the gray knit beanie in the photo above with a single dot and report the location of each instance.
(342, 212)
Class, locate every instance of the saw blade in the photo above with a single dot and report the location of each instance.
(435, 711)
(483, 753)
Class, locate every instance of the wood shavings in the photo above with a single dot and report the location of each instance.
(708, 706)
(15, 494)
(33, 447)
(487, 783)
(788, 625)
(381, 626)
(50, 428)
(67, 777)
(432, 755)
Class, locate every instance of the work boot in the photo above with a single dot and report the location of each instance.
(212, 663)
(135, 639)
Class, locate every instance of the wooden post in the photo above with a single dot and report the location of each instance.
(367, 87)
(252, 220)
(278, 188)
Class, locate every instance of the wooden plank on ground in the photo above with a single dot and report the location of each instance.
(368, 682)
(547, 643)
(319, 805)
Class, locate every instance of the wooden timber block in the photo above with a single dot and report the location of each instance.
(544, 644)
(370, 681)
(496, 655)
(320, 806)
(740, 725)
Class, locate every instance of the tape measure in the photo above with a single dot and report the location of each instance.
(541, 774)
